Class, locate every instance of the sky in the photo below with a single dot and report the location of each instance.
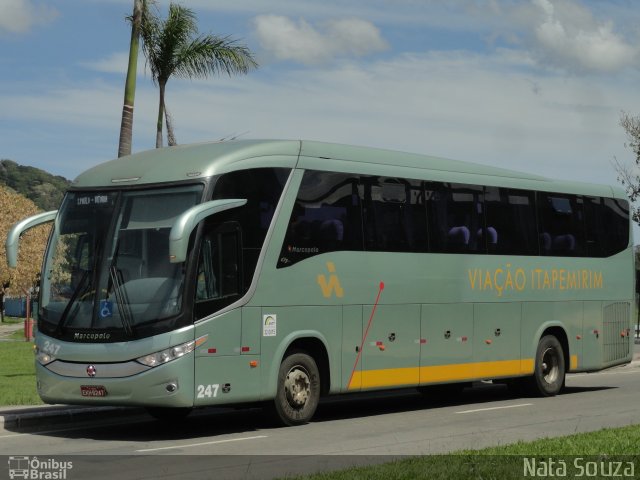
(531, 85)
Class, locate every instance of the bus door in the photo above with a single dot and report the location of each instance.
(221, 374)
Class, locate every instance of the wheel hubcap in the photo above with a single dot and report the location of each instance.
(550, 365)
(297, 386)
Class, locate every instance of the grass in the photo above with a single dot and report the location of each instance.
(17, 373)
(17, 335)
(12, 320)
(601, 448)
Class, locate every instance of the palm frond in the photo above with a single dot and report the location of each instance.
(212, 55)
(172, 47)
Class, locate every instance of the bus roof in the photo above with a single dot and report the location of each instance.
(203, 160)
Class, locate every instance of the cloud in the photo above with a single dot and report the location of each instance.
(116, 63)
(568, 35)
(474, 107)
(486, 108)
(19, 16)
(301, 42)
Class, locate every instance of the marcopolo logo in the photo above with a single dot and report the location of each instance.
(33, 468)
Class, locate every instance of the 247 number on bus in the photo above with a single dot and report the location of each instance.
(208, 391)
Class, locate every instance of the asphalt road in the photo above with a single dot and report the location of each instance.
(346, 430)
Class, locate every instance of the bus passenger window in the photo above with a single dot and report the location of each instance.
(456, 218)
(607, 222)
(511, 213)
(326, 217)
(395, 216)
(561, 229)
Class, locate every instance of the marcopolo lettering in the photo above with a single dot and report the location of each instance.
(91, 336)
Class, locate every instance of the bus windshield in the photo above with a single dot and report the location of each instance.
(107, 269)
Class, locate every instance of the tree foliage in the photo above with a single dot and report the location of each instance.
(44, 189)
(174, 47)
(629, 175)
(15, 207)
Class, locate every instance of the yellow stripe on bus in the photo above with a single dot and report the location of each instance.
(391, 377)
(574, 362)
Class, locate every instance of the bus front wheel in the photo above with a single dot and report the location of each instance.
(548, 376)
(298, 390)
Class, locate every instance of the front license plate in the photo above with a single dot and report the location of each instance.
(93, 391)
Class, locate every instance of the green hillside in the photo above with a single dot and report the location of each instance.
(42, 188)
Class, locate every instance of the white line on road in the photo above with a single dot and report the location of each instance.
(496, 408)
(201, 444)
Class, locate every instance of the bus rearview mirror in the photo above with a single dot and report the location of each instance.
(13, 237)
(188, 221)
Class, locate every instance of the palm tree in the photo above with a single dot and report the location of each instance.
(173, 47)
(126, 126)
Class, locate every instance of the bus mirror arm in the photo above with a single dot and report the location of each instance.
(13, 237)
(188, 221)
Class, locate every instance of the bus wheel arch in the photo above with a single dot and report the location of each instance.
(298, 389)
(302, 377)
(317, 350)
(560, 333)
(550, 364)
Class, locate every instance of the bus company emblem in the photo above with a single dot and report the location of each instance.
(333, 285)
(91, 336)
(91, 370)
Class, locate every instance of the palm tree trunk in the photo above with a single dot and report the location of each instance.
(161, 85)
(126, 125)
(171, 137)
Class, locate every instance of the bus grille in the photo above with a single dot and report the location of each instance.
(616, 332)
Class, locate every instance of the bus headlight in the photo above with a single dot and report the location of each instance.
(165, 356)
(42, 357)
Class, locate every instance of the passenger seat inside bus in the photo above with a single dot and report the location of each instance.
(458, 237)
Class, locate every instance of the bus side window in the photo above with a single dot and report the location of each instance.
(456, 218)
(607, 229)
(325, 218)
(561, 230)
(395, 218)
(511, 213)
(219, 274)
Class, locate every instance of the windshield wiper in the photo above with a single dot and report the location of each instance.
(121, 299)
(82, 287)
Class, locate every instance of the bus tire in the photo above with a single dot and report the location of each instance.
(298, 391)
(549, 371)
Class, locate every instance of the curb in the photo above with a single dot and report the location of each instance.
(44, 416)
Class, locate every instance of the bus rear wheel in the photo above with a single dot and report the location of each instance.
(298, 390)
(549, 372)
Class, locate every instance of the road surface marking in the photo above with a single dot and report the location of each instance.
(496, 408)
(201, 444)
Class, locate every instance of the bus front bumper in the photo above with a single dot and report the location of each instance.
(168, 385)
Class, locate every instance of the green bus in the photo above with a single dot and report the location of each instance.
(282, 271)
